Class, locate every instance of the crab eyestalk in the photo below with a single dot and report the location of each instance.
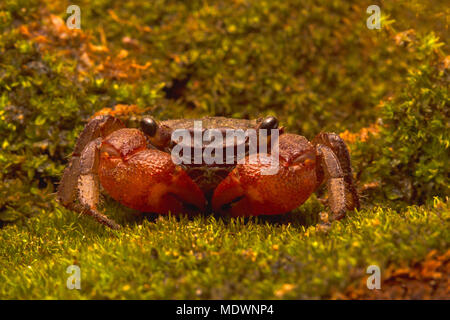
(269, 123)
(159, 135)
(265, 139)
(149, 126)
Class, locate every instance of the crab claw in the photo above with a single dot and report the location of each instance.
(145, 179)
(247, 191)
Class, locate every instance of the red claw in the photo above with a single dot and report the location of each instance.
(247, 192)
(145, 179)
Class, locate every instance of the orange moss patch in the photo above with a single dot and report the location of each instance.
(362, 135)
(405, 37)
(427, 279)
(52, 35)
(119, 110)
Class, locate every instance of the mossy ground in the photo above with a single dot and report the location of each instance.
(313, 64)
(214, 258)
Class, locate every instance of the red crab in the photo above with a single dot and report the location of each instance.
(135, 167)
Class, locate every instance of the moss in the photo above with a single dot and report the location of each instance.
(208, 257)
(408, 152)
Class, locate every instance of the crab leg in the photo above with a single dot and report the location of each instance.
(338, 147)
(334, 176)
(88, 184)
(98, 127)
(79, 188)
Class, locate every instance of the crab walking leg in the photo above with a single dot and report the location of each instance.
(88, 184)
(98, 127)
(67, 187)
(78, 189)
(338, 147)
(334, 177)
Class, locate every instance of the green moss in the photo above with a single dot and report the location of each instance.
(208, 257)
(409, 156)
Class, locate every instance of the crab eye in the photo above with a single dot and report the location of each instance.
(149, 126)
(269, 123)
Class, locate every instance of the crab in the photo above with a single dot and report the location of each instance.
(134, 166)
